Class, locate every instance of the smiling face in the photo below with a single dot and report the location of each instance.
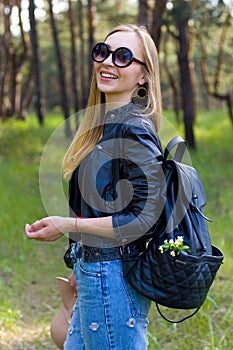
(118, 84)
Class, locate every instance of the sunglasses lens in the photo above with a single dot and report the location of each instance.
(100, 52)
(122, 57)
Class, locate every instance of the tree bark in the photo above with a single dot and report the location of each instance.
(172, 81)
(14, 57)
(36, 63)
(74, 57)
(82, 65)
(160, 7)
(61, 72)
(6, 63)
(186, 83)
(2, 57)
(91, 29)
(20, 58)
(27, 93)
(143, 10)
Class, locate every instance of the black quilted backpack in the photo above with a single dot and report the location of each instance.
(180, 263)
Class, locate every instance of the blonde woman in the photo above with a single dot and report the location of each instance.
(114, 182)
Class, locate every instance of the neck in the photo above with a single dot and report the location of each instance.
(113, 103)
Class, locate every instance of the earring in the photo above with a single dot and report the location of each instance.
(141, 96)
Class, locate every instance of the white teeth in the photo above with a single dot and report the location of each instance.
(107, 75)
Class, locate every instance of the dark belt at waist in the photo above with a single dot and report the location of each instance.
(94, 254)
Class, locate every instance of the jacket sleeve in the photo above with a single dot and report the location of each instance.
(140, 154)
(74, 210)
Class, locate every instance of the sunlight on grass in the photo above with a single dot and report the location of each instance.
(8, 315)
(36, 337)
(29, 295)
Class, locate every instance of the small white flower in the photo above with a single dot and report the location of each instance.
(175, 247)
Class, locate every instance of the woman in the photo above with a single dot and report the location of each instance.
(114, 179)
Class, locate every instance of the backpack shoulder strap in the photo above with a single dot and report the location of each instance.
(181, 145)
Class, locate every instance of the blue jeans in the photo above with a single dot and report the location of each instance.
(109, 313)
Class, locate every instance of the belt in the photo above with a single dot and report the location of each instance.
(93, 254)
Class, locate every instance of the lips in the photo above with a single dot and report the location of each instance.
(108, 75)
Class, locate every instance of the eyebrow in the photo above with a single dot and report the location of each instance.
(109, 46)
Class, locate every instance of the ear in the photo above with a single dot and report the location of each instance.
(142, 80)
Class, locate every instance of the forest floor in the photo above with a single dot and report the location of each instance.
(28, 269)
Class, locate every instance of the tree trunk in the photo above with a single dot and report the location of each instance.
(14, 58)
(6, 103)
(61, 72)
(186, 83)
(143, 10)
(36, 63)
(27, 93)
(74, 57)
(172, 81)
(20, 60)
(91, 29)
(6, 63)
(160, 7)
(82, 72)
(191, 40)
(2, 57)
(16, 92)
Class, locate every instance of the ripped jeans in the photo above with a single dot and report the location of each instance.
(109, 313)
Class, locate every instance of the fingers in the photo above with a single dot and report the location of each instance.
(42, 230)
(47, 229)
(34, 232)
(73, 284)
(28, 229)
(38, 225)
(72, 280)
(75, 292)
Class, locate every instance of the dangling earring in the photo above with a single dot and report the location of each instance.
(140, 97)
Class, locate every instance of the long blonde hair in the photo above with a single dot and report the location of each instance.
(91, 127)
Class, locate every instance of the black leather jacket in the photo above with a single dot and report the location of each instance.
(129, 150)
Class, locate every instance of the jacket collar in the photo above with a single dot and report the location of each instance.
(122, 113)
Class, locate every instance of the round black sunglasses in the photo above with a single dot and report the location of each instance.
(122, 57)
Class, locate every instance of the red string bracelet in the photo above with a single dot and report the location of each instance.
(76, 222)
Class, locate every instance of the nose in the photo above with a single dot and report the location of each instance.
(109, 60)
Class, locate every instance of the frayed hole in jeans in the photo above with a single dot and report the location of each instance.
(94, 326)
(131, 322)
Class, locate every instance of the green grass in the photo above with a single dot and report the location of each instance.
(29, 297)
(27, 268)
(211, 328)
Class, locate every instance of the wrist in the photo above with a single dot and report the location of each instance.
(77, 222)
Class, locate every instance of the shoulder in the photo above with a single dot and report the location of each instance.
(140, 123)
(129, 122)
(141, 127)
(133, 116)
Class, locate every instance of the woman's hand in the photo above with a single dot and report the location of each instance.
(49, 229)
(72, 282)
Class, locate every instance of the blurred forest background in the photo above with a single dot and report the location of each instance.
(45, 53)
(45, 70)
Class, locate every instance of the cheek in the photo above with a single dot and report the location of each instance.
(131, 75)
(135, 71)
